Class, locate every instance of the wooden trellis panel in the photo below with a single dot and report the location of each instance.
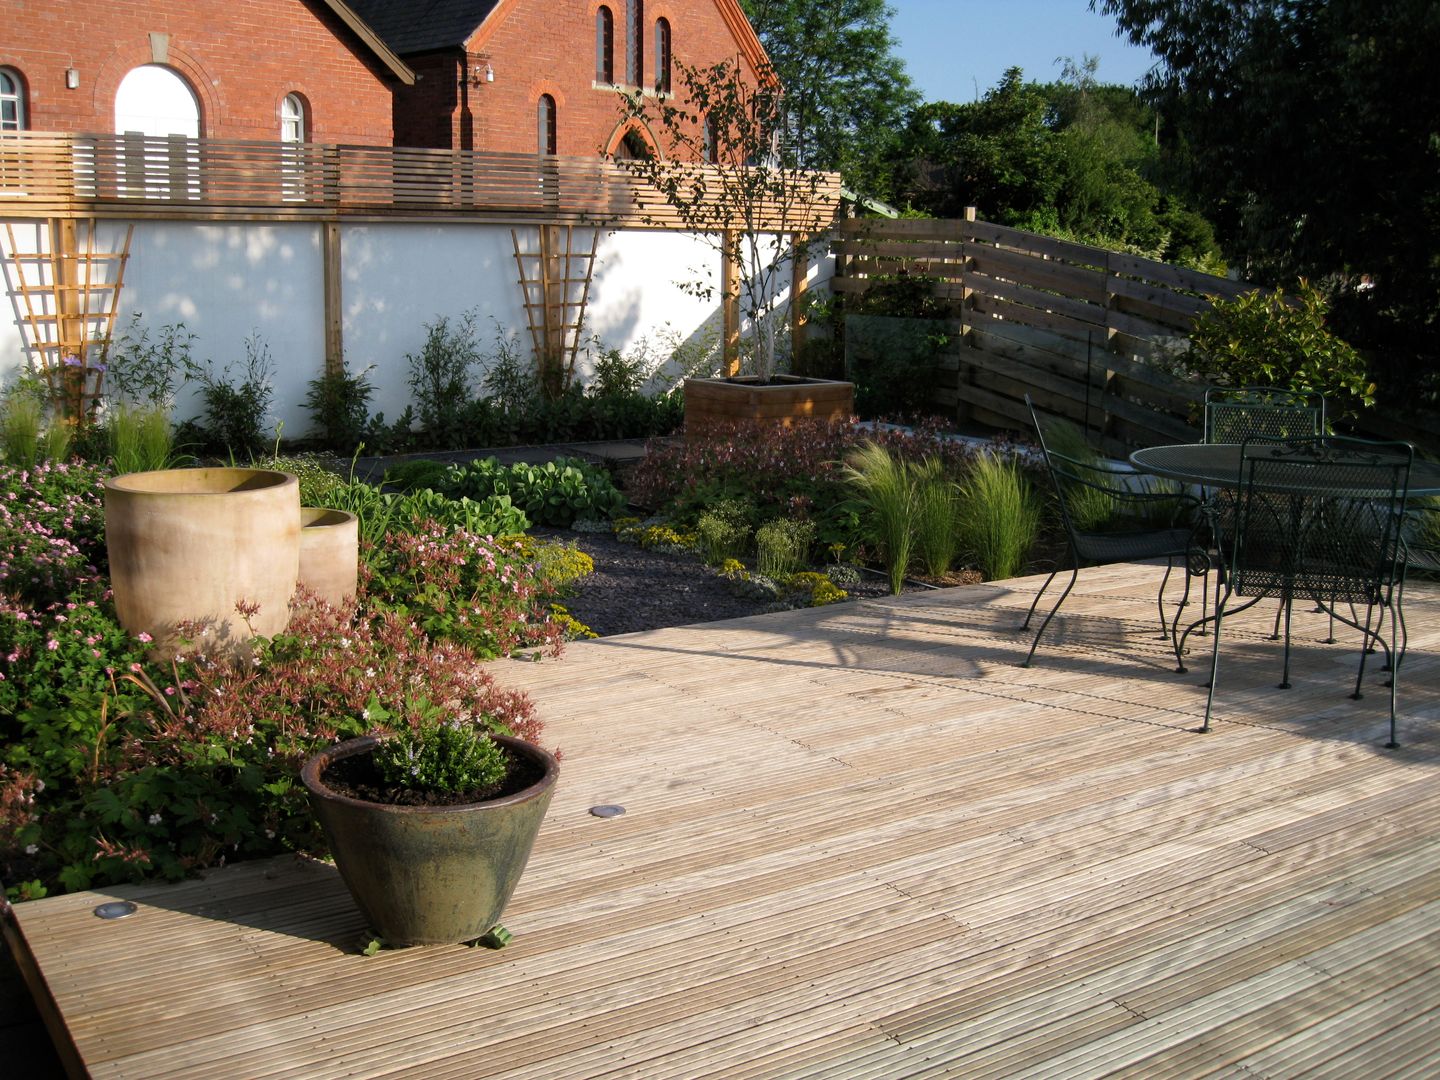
(555, 285)
(68, 297)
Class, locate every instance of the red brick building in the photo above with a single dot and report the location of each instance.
(238, 69)
(544, 75)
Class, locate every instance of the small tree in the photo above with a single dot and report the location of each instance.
(726, 174)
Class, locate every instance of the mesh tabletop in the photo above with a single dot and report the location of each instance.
(1218, 465)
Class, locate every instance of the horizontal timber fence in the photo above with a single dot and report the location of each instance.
(1090, 334)
(98, 175)
(1083, 330)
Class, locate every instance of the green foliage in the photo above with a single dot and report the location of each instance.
(782, 546)
(115, 768)
(381, 513)
(235, 413)
(937, 543)
(140, 437)
(725, 530)
(845, 88)
(1256, 99)
(555, 493)
(816, 589)
(416, 473)
(998, 517)
(1073, 159)
(339, 402)
(444, 757)
(725, 115)
(146, 370)
(318, 483)
(885, 484)
(22, 422)
(1260, 339)
(441, 378)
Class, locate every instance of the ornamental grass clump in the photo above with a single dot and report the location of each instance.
(885, 485)
(998, 517)
(937, 544)
(140, 438)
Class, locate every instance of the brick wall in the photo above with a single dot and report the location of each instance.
(241, 57)
(539, 48)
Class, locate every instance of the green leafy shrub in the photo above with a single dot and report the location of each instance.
(339, 403)
(555, 493)
(150, 371)
(998, 517)
(444, 757)
(319, 484)
(235, 414)
(441, 379)
(418, 473)
(1260, 339)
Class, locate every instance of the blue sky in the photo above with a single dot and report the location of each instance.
(951, 47)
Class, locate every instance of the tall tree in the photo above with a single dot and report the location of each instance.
(1312, 132)
(846, 92)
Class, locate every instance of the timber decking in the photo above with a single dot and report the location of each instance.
(862, 842)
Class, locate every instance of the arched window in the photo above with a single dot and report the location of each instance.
(635, 42)
(156, 101)
(292, 119)
(604, 45)
(545, 124)
(662, 56)
(712, 140)
(12, 101)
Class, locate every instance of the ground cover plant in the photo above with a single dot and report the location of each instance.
(116, 767)
(795, 472)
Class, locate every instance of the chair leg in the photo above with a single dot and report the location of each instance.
(1285, 605)
(1160, 597)
(1214, 662)
(1074, 574)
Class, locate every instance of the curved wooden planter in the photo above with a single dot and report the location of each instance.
(186, 545)
(430, 875)
(329, 553)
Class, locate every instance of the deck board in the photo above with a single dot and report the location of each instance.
(862, 842)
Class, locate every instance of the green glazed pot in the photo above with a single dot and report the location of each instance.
(426, 875)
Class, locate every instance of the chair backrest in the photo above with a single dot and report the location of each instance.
(1094, 499)
(1320, 517)
(1233, 415)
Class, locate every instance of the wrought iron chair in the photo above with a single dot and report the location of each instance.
(1114, 516)
(1234, 414)
(1318, 518)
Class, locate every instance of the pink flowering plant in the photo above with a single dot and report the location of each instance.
(114, 767)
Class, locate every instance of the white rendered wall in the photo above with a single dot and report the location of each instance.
(225, 282)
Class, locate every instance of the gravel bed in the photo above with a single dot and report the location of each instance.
(635, 588)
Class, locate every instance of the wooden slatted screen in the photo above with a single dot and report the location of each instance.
(59, 174)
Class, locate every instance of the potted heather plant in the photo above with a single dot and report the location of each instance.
(431, 825)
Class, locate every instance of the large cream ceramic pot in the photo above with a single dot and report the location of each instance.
(187, 545)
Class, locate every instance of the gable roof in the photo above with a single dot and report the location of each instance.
(414, 26)
(373, 41)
